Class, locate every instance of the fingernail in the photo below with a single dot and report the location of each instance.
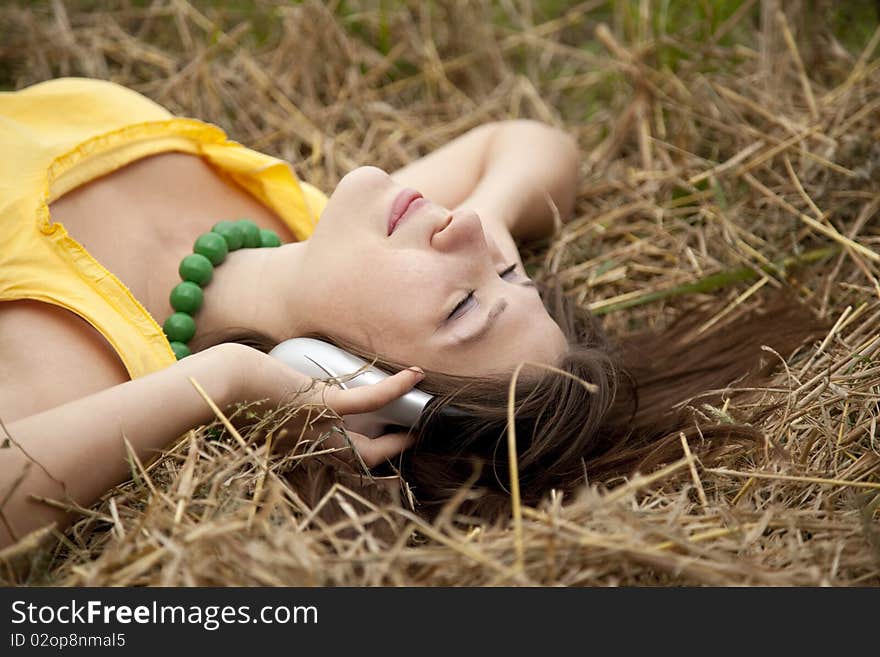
(418, 371)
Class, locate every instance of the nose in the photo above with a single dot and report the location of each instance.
(463, 231)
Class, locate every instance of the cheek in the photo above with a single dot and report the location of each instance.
(391, 302)
(376, 280)
(391, 286)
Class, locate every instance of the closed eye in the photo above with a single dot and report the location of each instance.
(469, 297)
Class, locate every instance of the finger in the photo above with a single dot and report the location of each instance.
(374, 451)
(373, 397)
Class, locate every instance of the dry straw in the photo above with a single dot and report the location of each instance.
(717, 161)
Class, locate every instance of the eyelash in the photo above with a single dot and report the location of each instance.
(470, 293)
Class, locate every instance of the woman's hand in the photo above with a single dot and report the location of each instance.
(322, 407)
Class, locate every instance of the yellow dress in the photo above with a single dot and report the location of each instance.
(60, 134)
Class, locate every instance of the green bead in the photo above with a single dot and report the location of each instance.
(179, 327)
(196, 268)
(212, 246)
(231, 232)
(180, 350)
(269, 238)
(187, 297)
(251, 233)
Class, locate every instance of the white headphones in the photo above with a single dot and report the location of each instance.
(319, 359)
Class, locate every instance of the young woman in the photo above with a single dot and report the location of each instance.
(106, 193)
(103, 193)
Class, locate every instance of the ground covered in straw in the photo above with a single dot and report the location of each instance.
(720, 138)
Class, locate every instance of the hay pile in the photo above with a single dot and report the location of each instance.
(712, 145)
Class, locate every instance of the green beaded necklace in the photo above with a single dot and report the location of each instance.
(197, 269)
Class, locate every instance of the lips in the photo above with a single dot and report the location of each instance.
(401, 208)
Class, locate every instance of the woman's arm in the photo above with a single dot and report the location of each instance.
(508, 171)
(76, 451)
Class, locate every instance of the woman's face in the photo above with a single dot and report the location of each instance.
(393, 294)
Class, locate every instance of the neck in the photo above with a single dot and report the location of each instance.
(257, 290)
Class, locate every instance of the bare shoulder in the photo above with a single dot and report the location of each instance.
(50, 356)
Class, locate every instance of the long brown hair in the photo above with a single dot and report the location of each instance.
(620, 407)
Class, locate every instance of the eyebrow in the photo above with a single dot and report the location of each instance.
(499, 307)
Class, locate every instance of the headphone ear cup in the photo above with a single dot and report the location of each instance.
(320, 360)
